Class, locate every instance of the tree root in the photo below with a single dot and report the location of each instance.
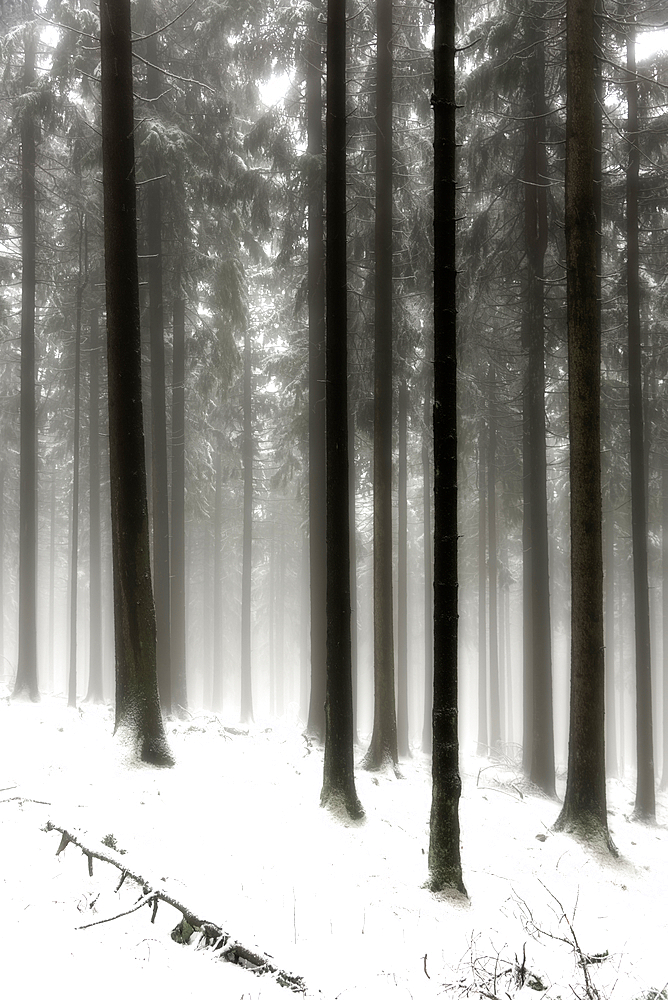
(211, 935)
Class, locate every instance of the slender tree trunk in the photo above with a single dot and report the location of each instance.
(280, 626)
(527, 597)
(383, 748)
(352, 520)
(445, 868)
(483, 732)
(609, 589)
(52, 582)
(246, 580)
(138, 717)
(427, 568)
(2, 569)
(493, 566)
(645, 808)
(541, 772)
(664, 617)
(26, 675)
(270, 618)
(584, 810)
(74, 557)
(217, 696)
(177, 617)
(304, 630)
(95, 686)
(338, 787)
(403, 743)
(159, 479)
(316, 326)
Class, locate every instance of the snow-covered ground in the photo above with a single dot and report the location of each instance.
(235, 832)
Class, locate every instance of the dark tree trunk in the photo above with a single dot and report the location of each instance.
(445, 867)
(493, 567)
(74, 554)
(541, 771)
(383, 748)
(645, 806)
(584, 810)
(247, 570)
(178, 526)
(159, 482)
(483, 731)
(95, 691)
(428, 568)
(279, 608)
(138, 716)
(403, 744)
(217, 695)
(26, 674)
(270, 618)
(338, 786)
(316, 427)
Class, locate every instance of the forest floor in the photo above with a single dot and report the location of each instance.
(235, 832)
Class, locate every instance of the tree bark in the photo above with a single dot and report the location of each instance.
(159, 479)
(247, 569)
(483, 731)
(427, 566)
(664, 617)
(26, 684)
(316, 428)
(445, 870)
(74, 556)
(493, 570)
(217, 695)
(382, 750)
(403, 744)
(177, 616)
(584, 809)
(138, 720)
(338, 787)
(645, 807)
(541, 771)
(95, 691)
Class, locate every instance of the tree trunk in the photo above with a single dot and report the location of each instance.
(483, 732)
(217, 695)
(645, 807)
(664, 622)
(382, 751)
(353, 565)
(445, 868)
(338, 787)
(52, 582)
(541, 772)
(316, 427)
(159, 482)
(74, 556)
(609, 587)
(403, 744)
(26, 674)
(493, 566)
(428, 568)
(178, 657)
(2, 570)
(138, 717)
(247, 570)
(584, 809)
(95, 691)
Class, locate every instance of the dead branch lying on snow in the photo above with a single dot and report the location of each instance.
(211, 935)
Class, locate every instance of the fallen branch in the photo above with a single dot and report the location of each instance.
(212, 935)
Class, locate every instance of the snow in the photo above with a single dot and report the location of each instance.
(235, 832)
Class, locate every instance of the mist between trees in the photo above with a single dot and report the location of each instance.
(277, 304)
